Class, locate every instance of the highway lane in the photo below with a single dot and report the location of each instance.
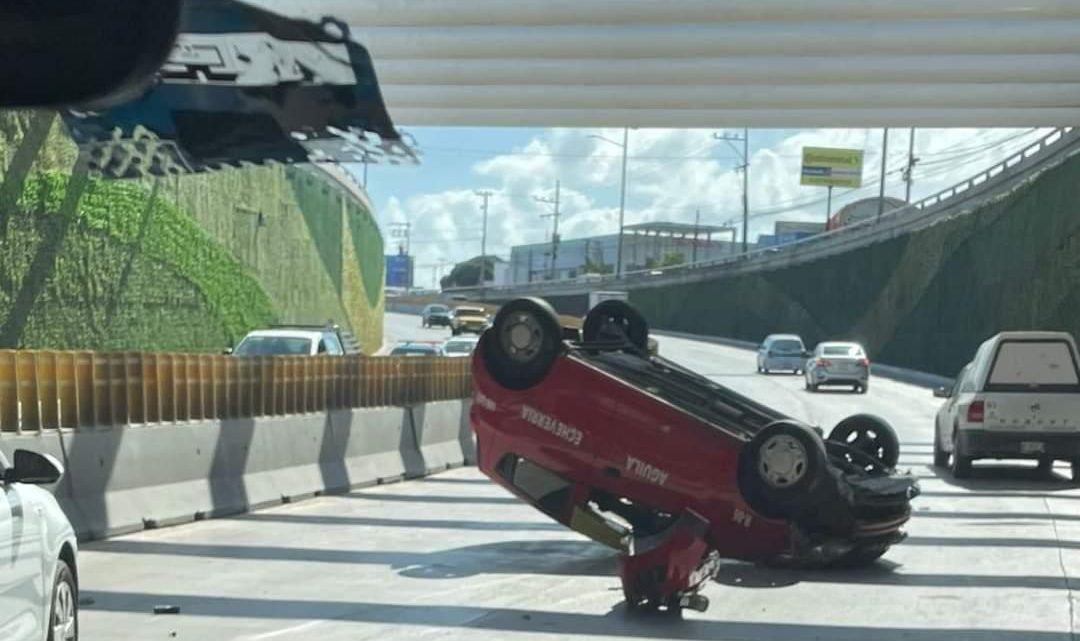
(454, 557)
(401, 327)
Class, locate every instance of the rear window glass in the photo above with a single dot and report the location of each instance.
(841, 350)
(438, 309)
(1023, 365)
(787, 346)
(414, 351)
(469, 311)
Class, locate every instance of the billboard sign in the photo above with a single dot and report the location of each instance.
(399, 271)
(832, 167)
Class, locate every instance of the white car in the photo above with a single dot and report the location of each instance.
(838, 363)
(290, 341)
(1018, 398)
(781, 352)
(39, 592)
(460, 346)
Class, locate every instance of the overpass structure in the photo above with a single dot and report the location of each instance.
(700, 63)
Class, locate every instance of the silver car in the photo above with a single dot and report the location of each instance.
(838, 363)
(781, 353)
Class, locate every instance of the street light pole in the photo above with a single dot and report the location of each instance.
(622, 202)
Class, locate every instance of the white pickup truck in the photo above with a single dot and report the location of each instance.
(1018, 398)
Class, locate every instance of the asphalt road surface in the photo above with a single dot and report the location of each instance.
(454, 557)
(406, 327)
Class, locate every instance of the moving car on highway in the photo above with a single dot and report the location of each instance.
(781, 352)
(1019, 398)
(469, 319)
(838, 363)
(417, 348)
(296, 340)
(39, 593)
(460, 346)
(435, 315)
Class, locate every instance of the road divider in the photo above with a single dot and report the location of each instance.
(233, 434)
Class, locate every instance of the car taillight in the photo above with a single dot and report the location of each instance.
(975, 412)
(864, 362)
(824, 363)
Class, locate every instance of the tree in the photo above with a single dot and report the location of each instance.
(672, 259)
(467, 273)
(597, 268)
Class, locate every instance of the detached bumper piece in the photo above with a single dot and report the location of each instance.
(665, 571)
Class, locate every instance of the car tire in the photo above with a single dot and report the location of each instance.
(781, 467)
(63, 622)
(1045, 466)
(871, 435)
(941, 457)
(524, 343)
(864, 388)
(960, 464)
(601, 321)
(1075, 471)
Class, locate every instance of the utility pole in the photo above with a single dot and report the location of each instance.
(911, 160)
(625, 146)
(884, 160)
(697, 222)
(745, 168)
(555, 228)
(483, 237)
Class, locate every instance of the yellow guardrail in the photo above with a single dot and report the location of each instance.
(46, 390)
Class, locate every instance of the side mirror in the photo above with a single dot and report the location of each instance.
(942, 392)
(227, 351)
(34, 468)
(807, 354)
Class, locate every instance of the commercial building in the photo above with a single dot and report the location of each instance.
(645, 246)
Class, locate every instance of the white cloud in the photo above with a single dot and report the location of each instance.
(671, 174)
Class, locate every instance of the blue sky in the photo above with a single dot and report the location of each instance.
(671, 173)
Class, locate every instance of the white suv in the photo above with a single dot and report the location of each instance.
(1018, 398)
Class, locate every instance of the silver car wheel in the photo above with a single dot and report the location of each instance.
(782, 461)
(63, 612)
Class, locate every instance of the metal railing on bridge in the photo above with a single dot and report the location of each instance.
(48, 390)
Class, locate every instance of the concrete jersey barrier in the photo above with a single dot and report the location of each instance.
(122, 479)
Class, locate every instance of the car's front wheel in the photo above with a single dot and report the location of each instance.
(781, 467)
(64, 610)
(941, 457)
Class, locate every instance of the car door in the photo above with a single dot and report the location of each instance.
(946, 416)
(22, 589)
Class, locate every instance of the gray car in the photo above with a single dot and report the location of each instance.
(781, 353)
(838, 363)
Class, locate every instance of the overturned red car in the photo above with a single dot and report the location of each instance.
(667, 466)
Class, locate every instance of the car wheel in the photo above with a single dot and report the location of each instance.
(941, 457)
(961, 462)
(524, 342)
(870, 435)
(1075, 464)
(1045, 466)
(780, 467)
(613, 320)
(864, 388)
(64, 609)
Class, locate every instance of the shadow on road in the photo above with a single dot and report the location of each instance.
(567, 624)
(434, 498)
(444, 524)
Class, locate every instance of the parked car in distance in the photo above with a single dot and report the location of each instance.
(460, 346)
(781, 352)
(295, 340)
(39, 593)
(469, 319)
(435, 315)
(417, 348)
(838, 363)
(1019, 397)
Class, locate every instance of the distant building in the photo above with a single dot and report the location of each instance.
(861, 210)
(645, 245)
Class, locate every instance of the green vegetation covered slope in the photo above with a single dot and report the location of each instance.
(188, 263)
(924, 300)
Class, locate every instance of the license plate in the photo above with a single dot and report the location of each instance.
(1032, 447)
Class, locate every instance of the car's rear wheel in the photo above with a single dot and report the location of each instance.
(780, 467)
(1075, 471)
(961, 462)
(524, 342)
(1045, 466)
(614, 319)
(870, 435)
(64, 609)
(941, 457)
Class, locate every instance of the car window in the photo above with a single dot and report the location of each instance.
(842, 350)
(786, 346)
(273, 346)
(413, 350)
(964, 381)
(459, 347)
(333, 346)
(437, 309)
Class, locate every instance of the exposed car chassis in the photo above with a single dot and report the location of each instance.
(667, 466)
